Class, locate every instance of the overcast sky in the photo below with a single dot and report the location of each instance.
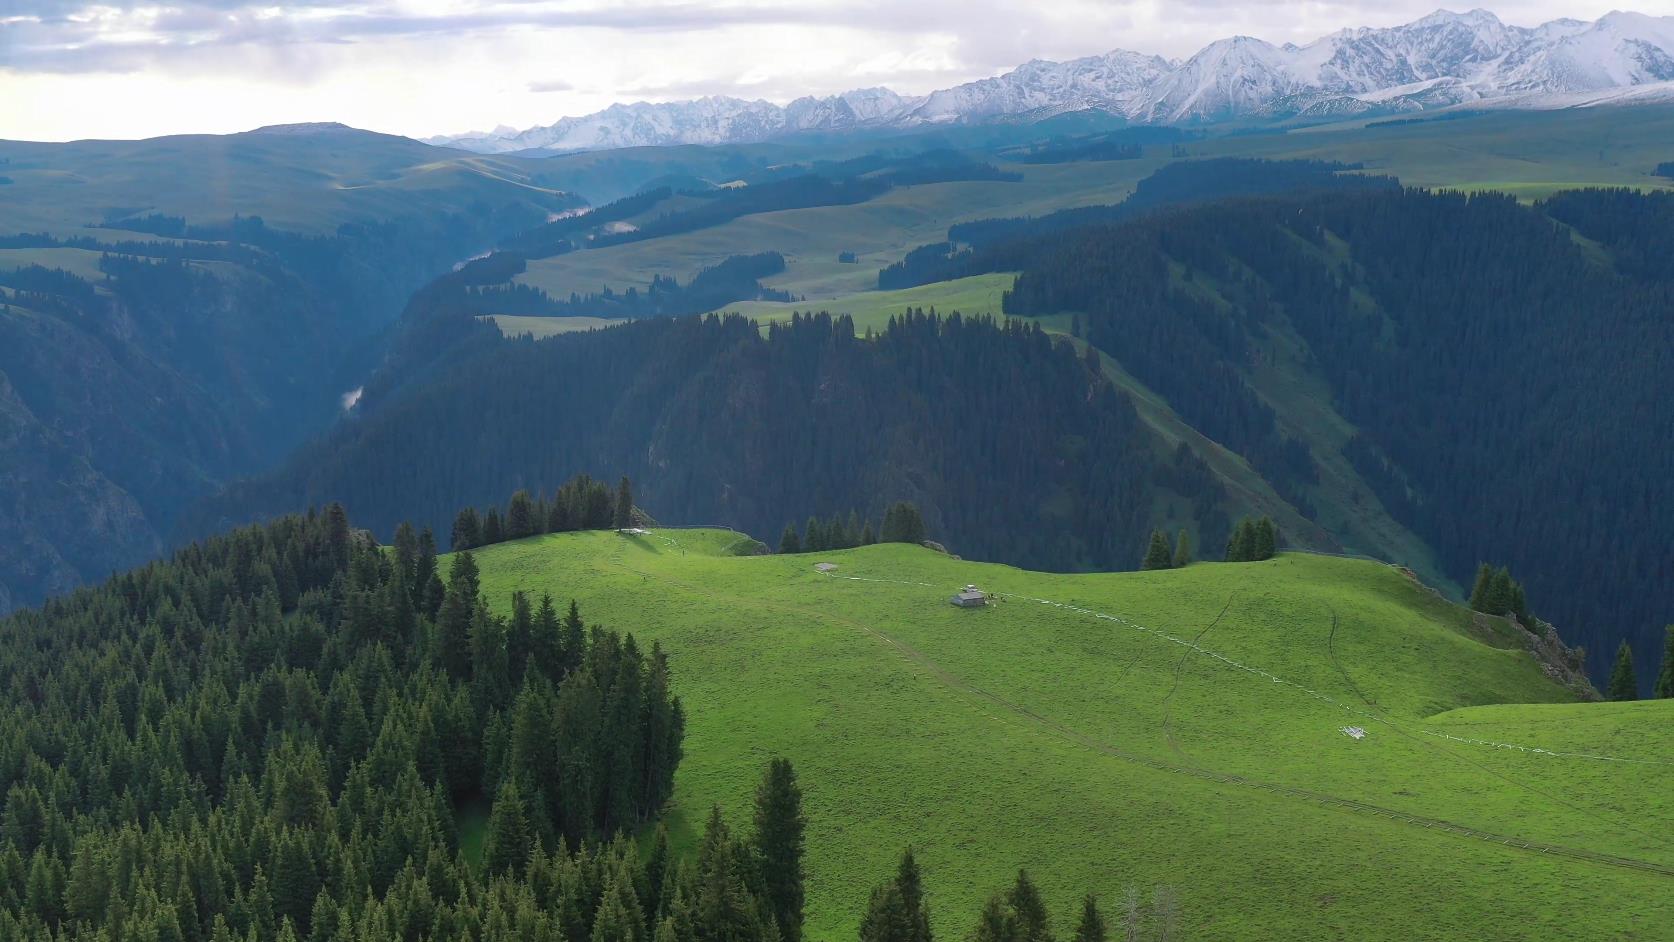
(137, 68)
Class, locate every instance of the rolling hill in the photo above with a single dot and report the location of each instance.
(1183, 728)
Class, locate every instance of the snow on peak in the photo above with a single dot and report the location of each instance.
(1441, 59)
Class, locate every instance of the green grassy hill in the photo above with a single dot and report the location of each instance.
(1181, 728)
(303, 181)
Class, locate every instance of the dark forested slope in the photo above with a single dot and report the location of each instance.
(275, 735)
(157, 338)
(1507, 379)
(1015, 448)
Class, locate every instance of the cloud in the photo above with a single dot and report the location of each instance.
(423, 66)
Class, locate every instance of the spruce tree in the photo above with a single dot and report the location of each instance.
(813, 536)
(1158, 555)
(1241, 543)
(1092, 927)
(1623, 685)
(902, 523)
(789, 542)
(887, 918)
(507, 844)
(492, 530)
(624, 512)
(1480, 589)
(467, 530)
(996, 923)
(520, 516)
(1183, 549)
(1033, 924)
(1266, 539)
(1665, 680)
(779, 846)
(911, 885)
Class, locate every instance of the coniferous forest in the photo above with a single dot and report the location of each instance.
(717, 424)
(280, 734)
(1487, 358)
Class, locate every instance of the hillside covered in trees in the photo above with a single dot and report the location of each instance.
(276, 734)
(1502, 364)
(1012, 446)
(139, 375)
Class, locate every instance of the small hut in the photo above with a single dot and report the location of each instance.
(970, 597)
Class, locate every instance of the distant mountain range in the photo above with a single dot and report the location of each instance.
(1442, 60)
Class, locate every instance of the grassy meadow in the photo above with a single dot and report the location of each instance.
(1182, 728)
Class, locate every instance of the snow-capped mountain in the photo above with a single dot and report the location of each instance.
(1440, 60)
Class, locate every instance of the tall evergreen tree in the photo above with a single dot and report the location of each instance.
(1241, 544)
(1266, 539)
(887, 918)
(911, 884)
(520, 516)
(506, 846)
(1183, 549)
(789, 541)
(1033, 924)
(1092, 927)
(996, 922)
(902, 523)
(1158, 554)
(779, 846)
(467, 530)
(623, 517)
(1665, 679)
(1623, 685)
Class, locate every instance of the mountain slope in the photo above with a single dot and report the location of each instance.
(718, 423)
(1481, 358)
(181, 311)
(1101, 756)
(1439, 60)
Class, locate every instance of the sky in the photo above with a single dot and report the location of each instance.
(73, 69)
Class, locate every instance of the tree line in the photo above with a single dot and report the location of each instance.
(902, 523)
(1253, 540)
(899, 912)
(280, 732)
(719, 422)
(581, 503)
(1458, 333)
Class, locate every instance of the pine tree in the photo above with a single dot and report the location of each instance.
(813, 536)
(868, 536)
(902, 523)
(624, 511)
(507, 844)
(1241, 543)
(1183, 549)
(1266, 539)
(789, 542)
(1158, 555)
(520, 516)
(996, 923)
(887, 918)
(1092, 927)
(1479, 590)
(467, 530)
(1029, 909)
(492, 530)
(1623, 685)
(911, 884)
(779, 846)
(1665, 680)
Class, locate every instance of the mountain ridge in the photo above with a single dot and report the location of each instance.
(1437, 61)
